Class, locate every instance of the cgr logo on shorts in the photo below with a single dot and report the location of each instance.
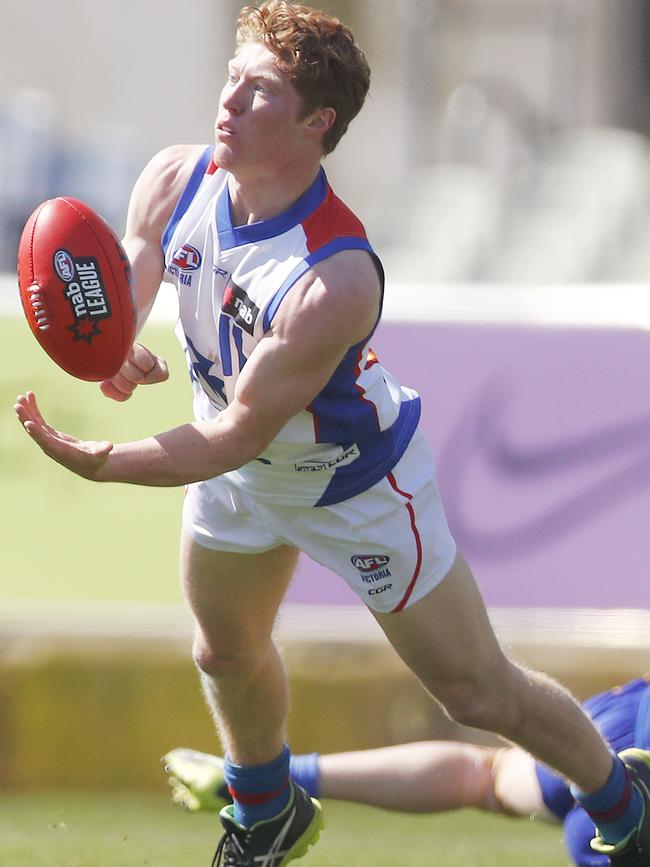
(375, 591)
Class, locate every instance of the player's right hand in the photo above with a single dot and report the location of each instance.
(142, 367)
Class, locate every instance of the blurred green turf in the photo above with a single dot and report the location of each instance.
(129, 830)
(67, 538)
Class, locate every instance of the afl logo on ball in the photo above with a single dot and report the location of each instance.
(369, 562)
(187, 258)
(64, 265)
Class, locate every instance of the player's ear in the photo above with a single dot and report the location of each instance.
(321, 120)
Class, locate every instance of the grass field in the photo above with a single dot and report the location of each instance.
(133, 830)
(97, 529)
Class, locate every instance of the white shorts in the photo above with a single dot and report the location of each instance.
(391, 543)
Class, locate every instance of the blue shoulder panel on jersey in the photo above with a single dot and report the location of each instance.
(375, 461)
(235, 236)
(187, 195)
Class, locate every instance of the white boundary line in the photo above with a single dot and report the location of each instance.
(578, 628)
(578, 305)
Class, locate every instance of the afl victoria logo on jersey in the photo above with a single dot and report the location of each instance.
(187, 258)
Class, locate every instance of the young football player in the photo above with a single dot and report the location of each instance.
(301, 440)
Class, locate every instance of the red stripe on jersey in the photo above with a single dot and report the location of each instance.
(212, 167)
(332, 219)
(418, 543)
(316, 424)
(371, 359)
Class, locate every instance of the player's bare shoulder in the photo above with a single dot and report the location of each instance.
(159, 188)
(340, 295)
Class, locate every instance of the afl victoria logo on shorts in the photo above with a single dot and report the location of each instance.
(373, 567)
(369, 562)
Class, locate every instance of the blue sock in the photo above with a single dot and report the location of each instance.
(258, 791)
(617, 808)
(304, 771)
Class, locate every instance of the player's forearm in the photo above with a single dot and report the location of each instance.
(189, 453)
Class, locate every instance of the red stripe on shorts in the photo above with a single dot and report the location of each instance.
(418, 542)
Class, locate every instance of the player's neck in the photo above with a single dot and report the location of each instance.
(257, 196)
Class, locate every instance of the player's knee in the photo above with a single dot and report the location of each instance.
(223, 660)
(471, 704)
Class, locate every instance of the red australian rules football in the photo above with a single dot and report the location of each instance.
(76, 289)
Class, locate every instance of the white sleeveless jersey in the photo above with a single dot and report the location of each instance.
(231, 281)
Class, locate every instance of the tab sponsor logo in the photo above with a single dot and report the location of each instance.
(237, 304)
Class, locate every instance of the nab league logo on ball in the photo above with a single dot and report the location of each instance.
(84, 291)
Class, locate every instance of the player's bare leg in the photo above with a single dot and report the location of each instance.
(447, 640)
(235, 599)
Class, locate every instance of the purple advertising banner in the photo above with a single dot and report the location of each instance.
(542, 443)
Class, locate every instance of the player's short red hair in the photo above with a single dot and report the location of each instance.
(318, 52)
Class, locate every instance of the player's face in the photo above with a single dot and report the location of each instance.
(257, 124)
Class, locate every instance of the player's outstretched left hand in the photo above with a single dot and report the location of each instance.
(142, 367)
(85, 458)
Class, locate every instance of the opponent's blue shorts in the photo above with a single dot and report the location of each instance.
(622, 715)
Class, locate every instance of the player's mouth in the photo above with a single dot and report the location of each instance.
(225, 130)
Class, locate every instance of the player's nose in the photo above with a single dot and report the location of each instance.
(232, 100)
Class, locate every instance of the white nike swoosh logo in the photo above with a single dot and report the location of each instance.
(614, 462)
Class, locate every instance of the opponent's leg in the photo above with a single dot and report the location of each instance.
(421, 777)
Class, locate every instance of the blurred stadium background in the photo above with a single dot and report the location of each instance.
(502, 168)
